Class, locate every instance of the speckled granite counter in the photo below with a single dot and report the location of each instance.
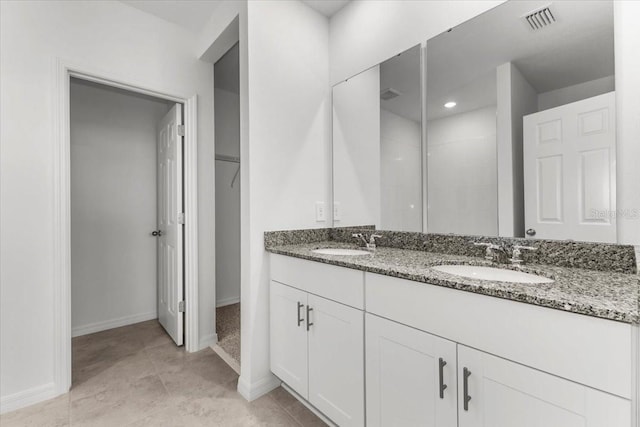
(604, 294)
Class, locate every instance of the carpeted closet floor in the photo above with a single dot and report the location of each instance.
(228, 329)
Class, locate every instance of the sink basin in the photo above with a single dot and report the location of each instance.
(492, 274)
(338, 251)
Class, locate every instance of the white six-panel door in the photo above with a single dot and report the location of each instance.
(170, 240)
(411, 376)
(569, 171)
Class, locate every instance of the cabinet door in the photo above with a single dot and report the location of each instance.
(506, 394)
(288, 335)
(336, 361)
(404, 376)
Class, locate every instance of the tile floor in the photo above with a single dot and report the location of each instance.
(228, 329)
(136, 376)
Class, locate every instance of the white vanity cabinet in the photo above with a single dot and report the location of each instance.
(555, 369)
(500, 393)
(435, 356)
(411, 376)
(317, 342)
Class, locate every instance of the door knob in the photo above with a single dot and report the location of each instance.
(156, 233)
(531, 232)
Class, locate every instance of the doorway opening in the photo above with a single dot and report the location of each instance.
(227, 184)
(126, 227)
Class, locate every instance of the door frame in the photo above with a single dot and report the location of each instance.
(63, 71)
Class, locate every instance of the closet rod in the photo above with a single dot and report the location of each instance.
(224, 158)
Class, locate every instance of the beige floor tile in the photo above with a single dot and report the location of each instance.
(136, 376)
(51, 413)
(297, 410)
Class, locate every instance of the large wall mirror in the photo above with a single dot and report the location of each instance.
(521, 123)
(519, 136)
(377, 146)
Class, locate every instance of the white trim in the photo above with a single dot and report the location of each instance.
(28, 397)
(259, 388)
(191, 224)
(61, 322)
(308, 405)
(91, 328)
(635, 376)
(227, 301)
(233, 363)
(207, 341)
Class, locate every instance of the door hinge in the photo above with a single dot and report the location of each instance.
(181, 130)
(181, 307)
(181, 218)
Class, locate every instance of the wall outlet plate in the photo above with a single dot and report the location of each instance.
(337, 211)
(320, 212)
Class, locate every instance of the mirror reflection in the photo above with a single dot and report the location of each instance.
(521, 123)
(377, 139)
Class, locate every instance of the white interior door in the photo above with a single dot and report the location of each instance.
(569, 171)
(170, 229)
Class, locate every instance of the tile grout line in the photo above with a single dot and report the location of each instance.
(285, 410)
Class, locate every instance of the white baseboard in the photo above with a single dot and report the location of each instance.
(27, 397)
(113, 323)
(207, 341)
(227, 301)
(252, 391)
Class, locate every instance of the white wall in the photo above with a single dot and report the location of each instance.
(113, 207)
(627, 46)
(113, 38)
(577, 92)
(289, 129)
(365, 33)
(400, 173)
(516, 98)
(356, 149)
(462, 173)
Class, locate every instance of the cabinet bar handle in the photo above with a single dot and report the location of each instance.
(443, 386)
(465, 388)
(309, 324)
(300, 320)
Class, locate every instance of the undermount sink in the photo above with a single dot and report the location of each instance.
(340, 251)
(492, 274)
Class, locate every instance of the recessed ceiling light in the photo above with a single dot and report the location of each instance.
(450, 104)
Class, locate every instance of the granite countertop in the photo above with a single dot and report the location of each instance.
(604, 294)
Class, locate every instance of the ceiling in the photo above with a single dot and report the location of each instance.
(189, 14)
(461, 63)
(194, 14)
(326, 7)
(402, 74)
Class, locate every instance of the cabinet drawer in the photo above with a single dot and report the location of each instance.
(591, 351)
(340, 284)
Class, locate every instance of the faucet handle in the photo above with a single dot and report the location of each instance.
(373, 237)
(517, 252)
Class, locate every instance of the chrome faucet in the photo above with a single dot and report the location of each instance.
(490, 253)
(369, 245)
(517, 253)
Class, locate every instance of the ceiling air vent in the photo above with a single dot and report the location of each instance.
(540, 18)
(389, 93)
